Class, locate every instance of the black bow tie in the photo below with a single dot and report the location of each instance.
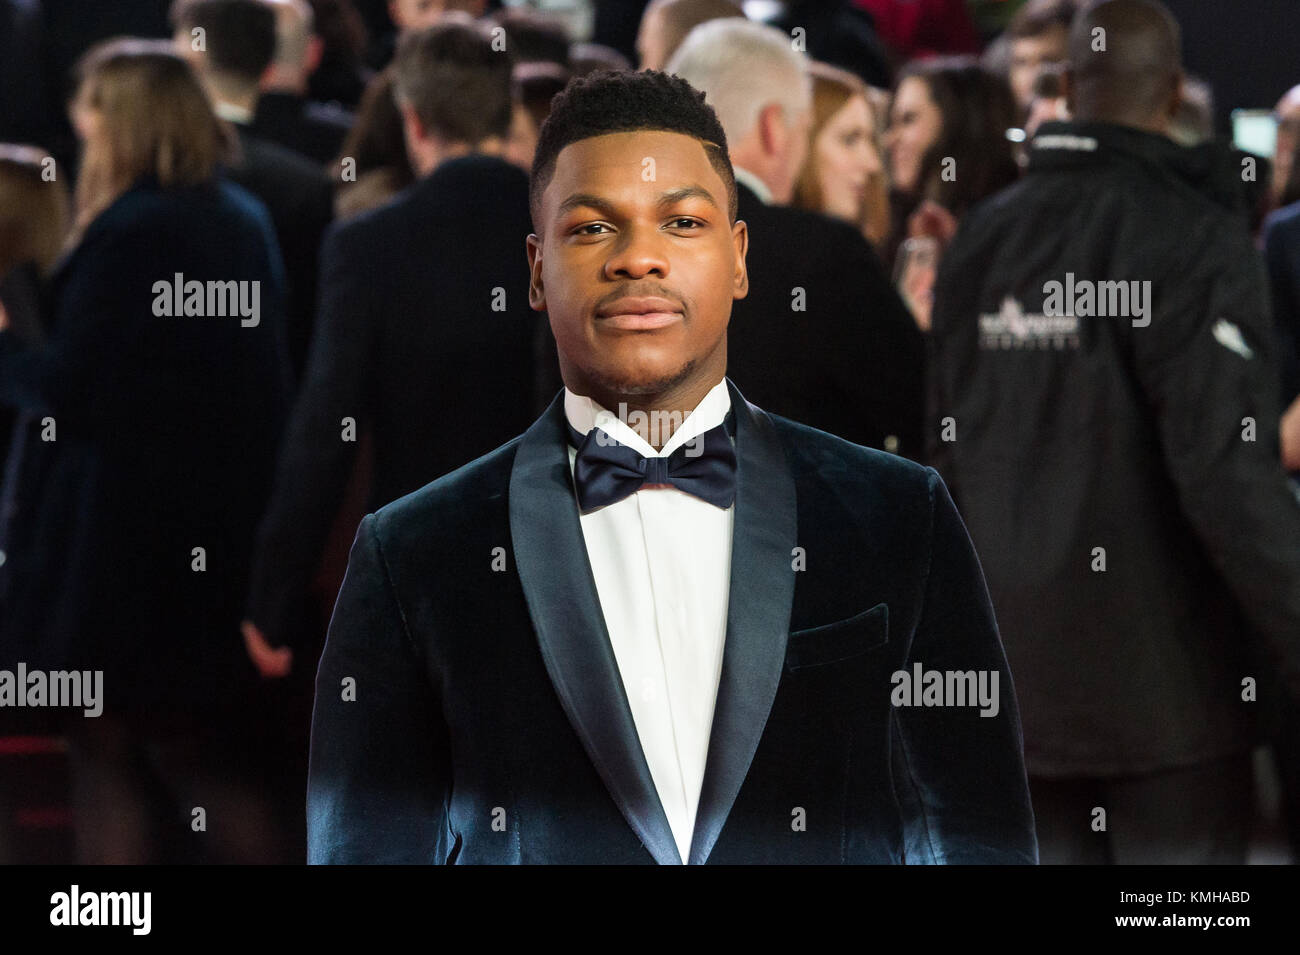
(605, 471)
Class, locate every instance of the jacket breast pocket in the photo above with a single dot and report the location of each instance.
(838, 641)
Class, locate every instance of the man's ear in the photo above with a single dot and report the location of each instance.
(1067, 90)
(1176, 94)
(536, 293)
(771, 129)
(740, 280)
(411, 125)
(315, 50)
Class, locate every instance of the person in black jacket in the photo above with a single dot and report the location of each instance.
(161, 389)
(284, 113)
(425, 336)
(239, 41)
(822, 336)
(1104, 405)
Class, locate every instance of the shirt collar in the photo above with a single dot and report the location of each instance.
(757, 186)
(584, 414)
(232, 113)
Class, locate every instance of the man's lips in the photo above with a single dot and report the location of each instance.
(639, 313)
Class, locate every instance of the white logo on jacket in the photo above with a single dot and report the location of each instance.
(1229, 336)
(1011, 327)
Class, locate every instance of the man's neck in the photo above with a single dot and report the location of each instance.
(231, 96)
(285, 81)
(655, 417)
(431, 155)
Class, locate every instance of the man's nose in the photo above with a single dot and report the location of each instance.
(641, 251)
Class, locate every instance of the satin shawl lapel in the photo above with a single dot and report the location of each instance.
(758, 616)
(565, 610)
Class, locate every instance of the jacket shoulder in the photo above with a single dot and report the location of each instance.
(837, 460)
(833, 236)
(433, 515)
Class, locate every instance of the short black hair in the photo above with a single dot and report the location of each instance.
(239, 35)
(624, 101)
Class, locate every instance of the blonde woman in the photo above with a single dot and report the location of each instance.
(161, 387)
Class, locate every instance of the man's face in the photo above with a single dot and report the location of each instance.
(1028, 57)
(637, 264)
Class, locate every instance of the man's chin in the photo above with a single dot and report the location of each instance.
(644, 379)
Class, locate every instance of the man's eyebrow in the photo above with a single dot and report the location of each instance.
(585, 199)
(687, 192)
(605, 207)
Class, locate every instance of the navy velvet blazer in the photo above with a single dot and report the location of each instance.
(469, 707)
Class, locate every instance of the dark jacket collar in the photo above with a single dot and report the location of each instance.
(277, 106)
(1211, 169)
(470, 171)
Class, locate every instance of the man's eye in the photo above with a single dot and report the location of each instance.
(683, 222)
(585, 229)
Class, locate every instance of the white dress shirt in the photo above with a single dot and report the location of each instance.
(661, 560)
(231, 113)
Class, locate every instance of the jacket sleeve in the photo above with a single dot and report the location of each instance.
(379, 774)
(959, 770)
(1207, 363)
(315, 461)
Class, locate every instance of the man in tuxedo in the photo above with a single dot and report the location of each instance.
(661, 625)
(822, 337)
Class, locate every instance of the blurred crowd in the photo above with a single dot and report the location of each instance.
(179, 493)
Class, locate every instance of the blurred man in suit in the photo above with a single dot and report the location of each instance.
(425, 338)
(284, 114)
(822, 337)
(231, 56)
(592, 644)
(1114, 448)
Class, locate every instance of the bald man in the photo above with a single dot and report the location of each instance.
(1104, 403)
(666, 23)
